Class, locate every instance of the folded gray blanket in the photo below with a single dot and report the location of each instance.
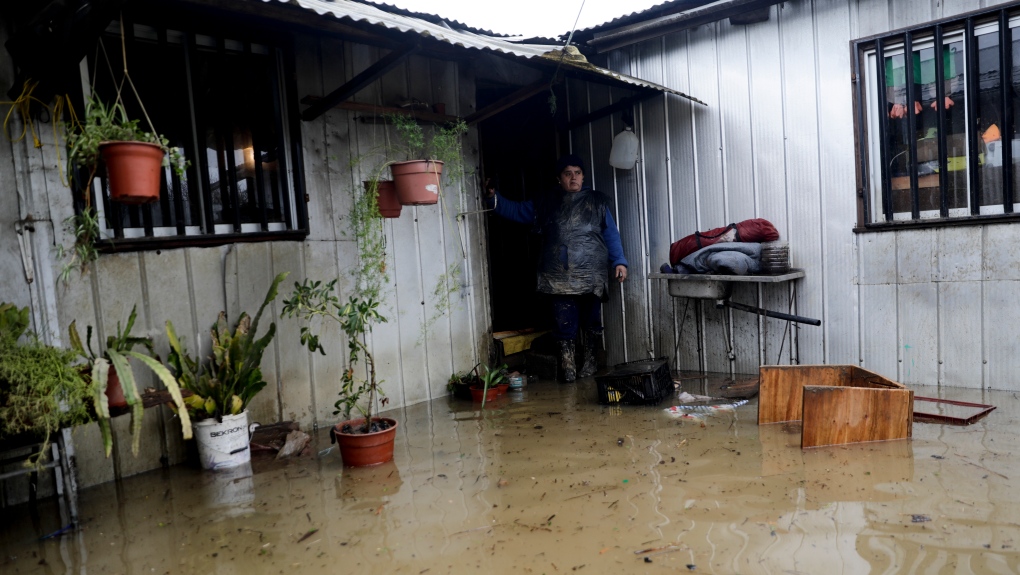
(728, 258)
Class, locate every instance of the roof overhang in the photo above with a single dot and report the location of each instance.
(420, 36)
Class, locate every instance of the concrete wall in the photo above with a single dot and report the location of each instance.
(776, 140)
(416, 351)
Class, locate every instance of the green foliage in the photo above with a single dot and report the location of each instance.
(114, 360)
(84, 225)
(109, 123)
(314, 302)
(41, 390)
(491, 377)
(231, 376)
(13, 321)
(367, 227)
(443, 144)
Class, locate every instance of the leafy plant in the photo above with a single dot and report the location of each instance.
(13, 321)
(491, 378)
(41, 390)
(367, 228)
(443, 144)
(231, 376)
(84, 226)
(313, 300)
(114, 360)
(110, 123)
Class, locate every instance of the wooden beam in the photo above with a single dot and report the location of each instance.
(422, 115)
(506, 102)
(612, 109)
(355, 85)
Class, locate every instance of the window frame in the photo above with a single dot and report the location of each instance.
(874, 199)
(295, 226)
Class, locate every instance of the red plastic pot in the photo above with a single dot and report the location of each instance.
(502, 388)
(477, 393)
(133, 171)
(365, 449)
(417, 181)
(389, 204)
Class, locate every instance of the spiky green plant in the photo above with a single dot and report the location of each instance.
(118, 349)
(13, 320)
(230, 377)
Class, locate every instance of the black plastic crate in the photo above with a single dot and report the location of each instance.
(645, 381)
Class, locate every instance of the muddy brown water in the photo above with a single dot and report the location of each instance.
(548, 481)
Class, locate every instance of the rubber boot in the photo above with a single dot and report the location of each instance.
(590, 364)
(567, 368)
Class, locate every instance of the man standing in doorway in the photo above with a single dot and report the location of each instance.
(580, 245)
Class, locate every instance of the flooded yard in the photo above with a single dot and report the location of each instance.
(548, 481)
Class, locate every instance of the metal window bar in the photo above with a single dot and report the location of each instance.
(297, 154)
(172, 207)
(972, 91)
(282, 191)
(883, 129)
(862, 143)
(911, 97)
(258, 195)
(1006, 129)
(940, 114)
(200, 165)
(227, 154)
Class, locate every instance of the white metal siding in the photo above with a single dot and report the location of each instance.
(776, 141)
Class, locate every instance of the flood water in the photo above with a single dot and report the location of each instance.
(548, 481)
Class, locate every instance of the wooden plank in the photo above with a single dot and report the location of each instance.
(359, 82)
(507, 102)
(840, 415)
(781, 393)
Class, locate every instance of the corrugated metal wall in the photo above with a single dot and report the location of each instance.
(776, 141)
(416, 351)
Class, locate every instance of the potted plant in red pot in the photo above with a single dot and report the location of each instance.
(367, 440)
(418, 180)
(133, 158)
(491, 380)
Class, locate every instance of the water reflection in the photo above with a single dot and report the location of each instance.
(556, 483)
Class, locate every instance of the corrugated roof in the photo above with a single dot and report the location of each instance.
(373, 15)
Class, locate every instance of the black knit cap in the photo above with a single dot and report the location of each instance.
(569, 160)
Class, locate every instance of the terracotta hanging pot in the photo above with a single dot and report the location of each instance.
(364, 449)
(133, 171)
(417, 181)
(389, 204)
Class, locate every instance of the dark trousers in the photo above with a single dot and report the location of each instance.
(573, 311)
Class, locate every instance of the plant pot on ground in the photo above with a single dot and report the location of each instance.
(418, 180)
(314, 302)
(224, 384)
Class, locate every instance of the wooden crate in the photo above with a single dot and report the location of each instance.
(837, 404)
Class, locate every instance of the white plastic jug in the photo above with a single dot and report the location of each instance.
(624, 154)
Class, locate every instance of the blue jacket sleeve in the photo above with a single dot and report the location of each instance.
(520, 212)
(611, 235)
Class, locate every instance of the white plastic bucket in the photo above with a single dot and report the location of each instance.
(224, 445)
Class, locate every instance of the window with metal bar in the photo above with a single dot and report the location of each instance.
(221, 101)
(936, 116)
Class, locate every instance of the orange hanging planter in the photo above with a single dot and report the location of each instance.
(417, 181)
(389, 204)
(133, 170)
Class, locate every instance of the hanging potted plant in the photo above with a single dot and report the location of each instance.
(225, 384)
(133, 158)
(385, 194)
(367, 440)
(418, 179)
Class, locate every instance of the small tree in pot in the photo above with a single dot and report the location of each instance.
(365, 441)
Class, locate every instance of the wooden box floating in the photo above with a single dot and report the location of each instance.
(837, 404)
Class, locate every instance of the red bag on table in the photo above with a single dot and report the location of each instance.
(756, 230)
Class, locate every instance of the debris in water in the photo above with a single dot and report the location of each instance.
(937, 457)
(297, 440)
(918, 518)
(619, 441)
(648, 559)
(692, 566)
(307, 535)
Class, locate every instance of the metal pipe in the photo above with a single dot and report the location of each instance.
(721, 303)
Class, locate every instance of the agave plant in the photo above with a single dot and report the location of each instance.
(231, 376)
(118, 349)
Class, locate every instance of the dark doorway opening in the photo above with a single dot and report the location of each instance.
(519, 150)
